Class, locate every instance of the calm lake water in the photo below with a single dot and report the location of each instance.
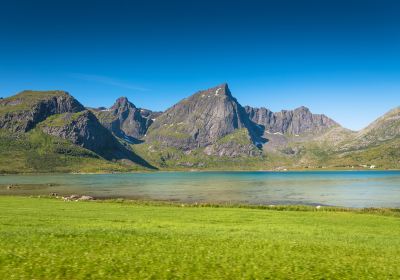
(339, 188)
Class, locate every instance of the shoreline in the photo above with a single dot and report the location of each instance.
(391, 211)
(200, 171)
(65, 185)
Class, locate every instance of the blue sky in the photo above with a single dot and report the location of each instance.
(337, 57)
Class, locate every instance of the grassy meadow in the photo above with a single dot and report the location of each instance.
(43, 238)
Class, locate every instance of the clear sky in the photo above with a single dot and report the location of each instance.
(338, 57)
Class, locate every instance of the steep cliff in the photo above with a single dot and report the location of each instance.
(125, 120)
(201, 120)
(292, 122)
(85, 130)
(24, 111)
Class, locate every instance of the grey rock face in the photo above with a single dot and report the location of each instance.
(293, 122)
(82, 129)
(85, 130)
(200, 120)
(24, 111)
(126, 120)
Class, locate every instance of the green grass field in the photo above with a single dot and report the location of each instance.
(52, 239)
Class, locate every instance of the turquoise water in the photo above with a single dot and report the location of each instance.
(338, 188)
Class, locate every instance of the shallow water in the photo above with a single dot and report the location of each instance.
(338, 188)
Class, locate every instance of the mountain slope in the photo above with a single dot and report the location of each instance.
(58, 114)
(24, 111)
(125, 120)
(296, 135)
(50, 131)
(293, 122)
(377, 145)
(201, 120)
(381, 130)
(36, 151)
(84, 129)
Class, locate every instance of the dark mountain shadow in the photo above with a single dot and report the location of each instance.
(258, 134)
(130, 139)
(120, 152)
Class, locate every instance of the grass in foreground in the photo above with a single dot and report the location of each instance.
(52, 239)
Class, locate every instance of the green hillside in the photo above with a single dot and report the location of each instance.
(25, 100)
(50, 131)
(38, 152)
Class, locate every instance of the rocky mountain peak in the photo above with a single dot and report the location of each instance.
(293, 122)
(121, 104)
(223, 89)
(125, 120)
(302, 109)
(84, 129)
(201, 120)
(220, 90)
(22, 112)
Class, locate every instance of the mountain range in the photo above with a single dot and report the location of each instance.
(50, 131)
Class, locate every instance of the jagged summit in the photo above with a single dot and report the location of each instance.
(210, 122)
(220, 90)
(201, 120)
(122, 103)
(294, 122)
(300, 109)
(125, 120)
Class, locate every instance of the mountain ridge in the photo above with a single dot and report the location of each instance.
(293, 122)
(60, 115)
(209, 129)
(23, 111)
(201, 119)
(125, 120)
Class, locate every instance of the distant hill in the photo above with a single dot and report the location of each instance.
(50, 131)
(31, 115)
(381, 130)
(292, 122)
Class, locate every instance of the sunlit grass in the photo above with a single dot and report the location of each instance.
(52, 239)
